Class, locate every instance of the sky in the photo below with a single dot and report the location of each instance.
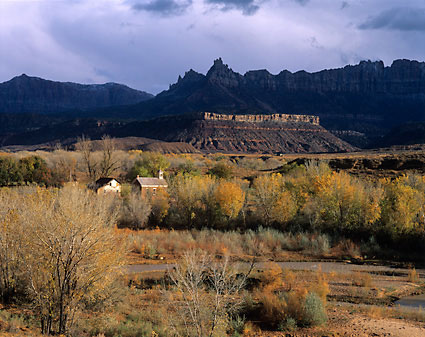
(147, 44)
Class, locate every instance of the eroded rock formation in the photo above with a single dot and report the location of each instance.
(282, 118)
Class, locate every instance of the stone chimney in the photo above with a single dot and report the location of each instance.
(160, 174)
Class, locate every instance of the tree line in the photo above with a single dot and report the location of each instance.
(311, 198)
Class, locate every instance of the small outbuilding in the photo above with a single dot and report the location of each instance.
(107, 185)
(148, 186)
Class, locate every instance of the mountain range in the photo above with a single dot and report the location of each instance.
(33, 95)
(358, 103)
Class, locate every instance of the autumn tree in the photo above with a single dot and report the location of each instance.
(273, 202)
(230, 198)
(403, 205)
(12, 275)
(160, 204)
(71, 252)
(192, 199)
(342, 203)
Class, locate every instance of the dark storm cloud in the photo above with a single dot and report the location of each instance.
(248, 7)
(403, 19)
(162, 7)
(97, 41)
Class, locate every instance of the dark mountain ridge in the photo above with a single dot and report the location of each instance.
(33, 95)
(369, 98)
(358, 103)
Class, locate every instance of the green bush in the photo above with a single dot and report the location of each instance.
(289, 324)
(221, 171)
(314, 310)
(236, 326)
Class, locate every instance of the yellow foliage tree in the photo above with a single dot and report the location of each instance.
(403, 205)
(273, 203)
(11, 245)
(160, 205)
(230, 198)
(340, 201)
(192, 195)
(71, 251)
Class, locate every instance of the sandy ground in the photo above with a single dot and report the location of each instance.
(362, 326)
(345, 324)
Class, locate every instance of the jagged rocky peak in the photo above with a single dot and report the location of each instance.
(190, 75)
(189, 79)
(221, 74)
(368, 64)
(406, 69)
(404, 63)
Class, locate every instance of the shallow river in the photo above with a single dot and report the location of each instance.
(339, 267)
(326, 267)
(413, 302)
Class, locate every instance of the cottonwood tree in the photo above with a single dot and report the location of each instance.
(340, 202)
(230, 198)
(192, 198)
(97, 167)
(273, 203)
(85, 146)
(109, 162)
(71, 252)
(12, 276)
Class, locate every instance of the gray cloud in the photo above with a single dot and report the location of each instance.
(302, 2)
(403, 19)
(248, 7)
(314, 43)
(162, 7)
(96, 41)
(345, 5)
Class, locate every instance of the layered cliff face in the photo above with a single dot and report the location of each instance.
(207, 132)
(247, 134)
(403, 77)
(26, 94)
(367, 99)
(283, 118)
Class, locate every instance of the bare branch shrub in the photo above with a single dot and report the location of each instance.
(135, 211)
(206, 294)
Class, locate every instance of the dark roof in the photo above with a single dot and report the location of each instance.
(151, 181)
(104, 181)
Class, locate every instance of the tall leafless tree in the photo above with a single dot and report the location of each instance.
(85, 146)
(109, 162)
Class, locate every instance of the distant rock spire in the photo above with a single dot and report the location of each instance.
(220, 73)
(218, 62)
